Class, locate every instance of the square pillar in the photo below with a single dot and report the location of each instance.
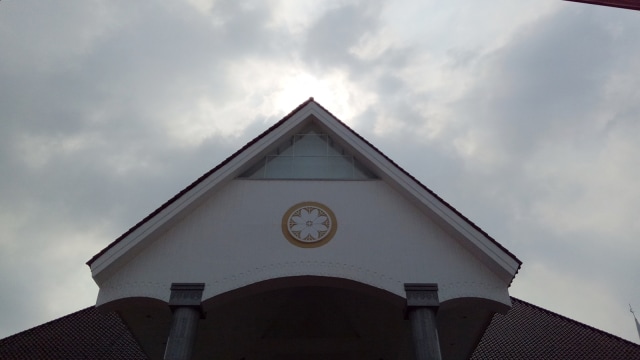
(185, 304)
(422, 306)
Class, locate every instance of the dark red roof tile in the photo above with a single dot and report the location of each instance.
(85, 334)
(531, 332)
(525, 332)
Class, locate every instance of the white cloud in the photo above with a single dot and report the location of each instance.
(202, 6)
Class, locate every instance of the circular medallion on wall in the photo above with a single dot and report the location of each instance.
(309, 224)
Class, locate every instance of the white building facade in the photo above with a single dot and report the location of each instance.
(306, 243)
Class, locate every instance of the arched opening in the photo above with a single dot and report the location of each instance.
(306, 317)
(310, 317)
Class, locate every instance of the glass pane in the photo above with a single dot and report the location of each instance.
(310, 167)
(309, 155)
(279, 167)
(285, 149)
(310, 145)
(340, 167)
(334, 150)
(362, 173)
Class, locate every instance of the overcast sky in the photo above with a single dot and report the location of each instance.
(524, 115)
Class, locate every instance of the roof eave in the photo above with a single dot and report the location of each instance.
(498, 258)
(161, 218)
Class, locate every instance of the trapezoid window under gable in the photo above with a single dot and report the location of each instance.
(309, 154)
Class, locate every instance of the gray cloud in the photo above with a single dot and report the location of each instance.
(331, 37)
(533, 138)
(542, 106)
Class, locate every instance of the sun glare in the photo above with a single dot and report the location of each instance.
(299, 87)
(333, 91)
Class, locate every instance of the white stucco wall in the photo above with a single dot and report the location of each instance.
(234, 239)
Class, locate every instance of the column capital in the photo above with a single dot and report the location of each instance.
(185, 303)
(422, 305)
(422, 295)
(186, 294)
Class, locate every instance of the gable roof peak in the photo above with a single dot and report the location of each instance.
(498, 258)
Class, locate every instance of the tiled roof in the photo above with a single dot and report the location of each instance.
(85, 334)
(526, 332)
(531, 332)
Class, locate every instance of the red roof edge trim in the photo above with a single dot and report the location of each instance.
(623, 4)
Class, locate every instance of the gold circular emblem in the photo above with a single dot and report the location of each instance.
(309, 224)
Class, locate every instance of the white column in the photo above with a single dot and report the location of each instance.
(422, 306)
(185, 303)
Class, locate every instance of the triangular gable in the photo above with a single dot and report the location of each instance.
(309, 154)
(504, 264)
